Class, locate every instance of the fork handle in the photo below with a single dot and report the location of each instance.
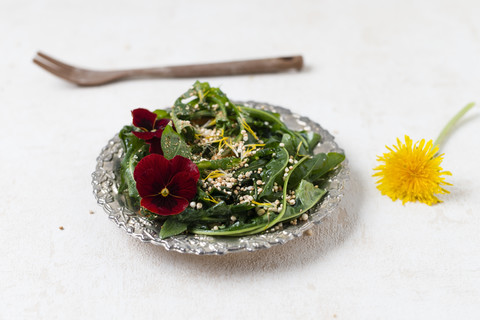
(269, 65)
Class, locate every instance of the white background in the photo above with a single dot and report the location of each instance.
(375, 70)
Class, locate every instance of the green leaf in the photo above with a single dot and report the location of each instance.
(181, 120)
(306, 197)
(315, 168)
(225, 163)
(135, 149)
(279, 217)
(289, 144)
(237, 229)
(219, 212)
(172, 227)
(274, 169)
(272, 118)
(162, 114)
(203, 100)
(252, 166)
(312, 139)
(173, 144)
(276, 123)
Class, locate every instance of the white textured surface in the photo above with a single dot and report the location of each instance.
(375, 70)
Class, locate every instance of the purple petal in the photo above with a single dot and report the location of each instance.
(183, 185)
(144, 135)
(164, 206)
(161, 123)
(155, 145)
(182, 164)
(144, 119)
(151, 175)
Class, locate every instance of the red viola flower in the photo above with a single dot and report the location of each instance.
(152, 128)
(166, 186)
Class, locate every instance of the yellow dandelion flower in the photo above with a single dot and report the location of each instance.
(412, 172)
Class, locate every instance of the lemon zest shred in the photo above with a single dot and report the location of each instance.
(247, 127)
(267, 204)
(255, 145)
(227, 142)
(214, 174)
(252, 147)
(298, 148)
(211, 199)
(210, 123)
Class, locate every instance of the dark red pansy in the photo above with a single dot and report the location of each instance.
(166, 186)
(152, 128)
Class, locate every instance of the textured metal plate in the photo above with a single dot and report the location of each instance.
(105, 182)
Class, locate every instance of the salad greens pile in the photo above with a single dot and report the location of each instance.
(256, 175)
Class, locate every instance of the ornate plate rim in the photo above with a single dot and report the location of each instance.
(105, 191)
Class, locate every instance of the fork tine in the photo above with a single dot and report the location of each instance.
(52, 69)
(54, 61)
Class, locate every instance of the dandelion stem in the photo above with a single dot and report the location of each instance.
(452, 123)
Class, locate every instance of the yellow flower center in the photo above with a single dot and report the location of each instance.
(165, 192)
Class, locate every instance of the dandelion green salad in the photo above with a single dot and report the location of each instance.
(212, 167)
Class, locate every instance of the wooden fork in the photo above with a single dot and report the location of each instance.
(86, 77)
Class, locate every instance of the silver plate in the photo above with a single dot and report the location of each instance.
(105, 183)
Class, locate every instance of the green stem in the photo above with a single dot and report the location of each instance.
(452, 123)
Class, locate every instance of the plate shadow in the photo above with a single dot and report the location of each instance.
(327, 236)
